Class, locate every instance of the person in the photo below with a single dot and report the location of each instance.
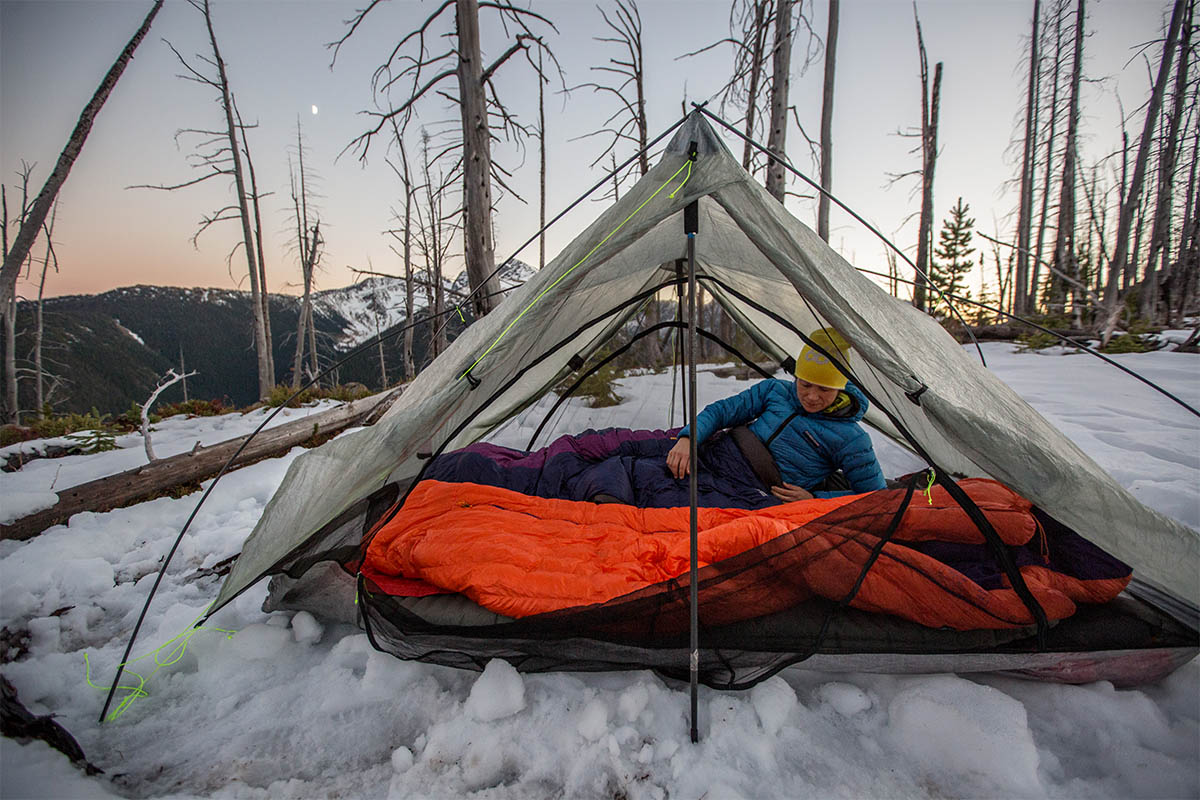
(810, 426)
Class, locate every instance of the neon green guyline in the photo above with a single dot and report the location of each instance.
(172, 656)
(686, 165)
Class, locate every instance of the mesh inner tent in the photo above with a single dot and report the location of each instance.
(759, 612)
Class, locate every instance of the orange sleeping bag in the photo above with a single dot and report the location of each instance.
(519, 555)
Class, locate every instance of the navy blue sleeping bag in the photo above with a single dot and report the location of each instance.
(610, 465)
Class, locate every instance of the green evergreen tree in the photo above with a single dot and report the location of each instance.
(952, 257)
(986, 297)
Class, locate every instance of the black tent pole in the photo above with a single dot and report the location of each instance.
(691, 216)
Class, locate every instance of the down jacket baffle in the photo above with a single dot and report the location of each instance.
(810, 447)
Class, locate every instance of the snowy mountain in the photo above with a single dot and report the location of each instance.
(376, 303)
(110, 348)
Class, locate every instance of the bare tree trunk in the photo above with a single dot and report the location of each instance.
(12, 405)
(780, 83)
(383, 377)
(1189, 238)
(643, 128)
(314, 365)
(1064, 238)
(541, 165)
(1048, 171)
(39, 332)
(477, 160)
(183, 372)
(308, 241)
(930, 102)
(264, 296)
(1160, 232)
(304, 323)
(1004, 280)
(301, 322)
(1020, 293)
(757, 58)
(827, 120)
(31, 224)
(409, 285)
(260, 336)
(8, 313)
(1132, 197)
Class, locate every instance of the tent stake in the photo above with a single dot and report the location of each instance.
(691, 216)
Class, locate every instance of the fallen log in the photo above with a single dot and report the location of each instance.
(152, 479)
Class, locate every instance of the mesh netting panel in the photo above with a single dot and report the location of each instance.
(768, 607)
(340, 540)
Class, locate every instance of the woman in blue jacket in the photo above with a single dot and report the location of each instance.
(810, 426)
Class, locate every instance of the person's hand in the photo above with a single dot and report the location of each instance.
(790, 494)
(679, 459)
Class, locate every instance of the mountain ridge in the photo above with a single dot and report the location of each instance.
(107, 350)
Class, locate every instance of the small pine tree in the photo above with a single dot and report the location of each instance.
(952, 257)
(986, 297)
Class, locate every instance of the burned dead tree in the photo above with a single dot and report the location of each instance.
(435, 237)
(404, 237)
(1020, 293)
(1158, 276)
(308, 247)
(31, 223)
(39, 367)
(481, 113)
(758, 35)
(831, 34)
(33, 216)
(930, 102)
(221, 153)
(1132, 197)
(1065, 258)
(781, 63)
(626, 86)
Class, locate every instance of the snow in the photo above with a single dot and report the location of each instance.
(131, 334)
(34, 486)
(292, 706)
(499, 693)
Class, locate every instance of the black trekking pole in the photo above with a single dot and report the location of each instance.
(691, 216)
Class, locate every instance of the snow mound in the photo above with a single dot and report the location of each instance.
(499, 692)
(963, 732)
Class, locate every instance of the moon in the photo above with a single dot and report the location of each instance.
(314, 109)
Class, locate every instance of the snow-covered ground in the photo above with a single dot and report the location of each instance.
(33, 487)
(295, 707)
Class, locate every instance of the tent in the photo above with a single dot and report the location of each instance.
(778, 280)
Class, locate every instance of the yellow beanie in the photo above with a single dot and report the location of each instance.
(813, 367)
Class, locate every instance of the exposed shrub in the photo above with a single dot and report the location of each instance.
(342, 392)
(281, 393)
(195, 408)
(48, 427)
(1130, 343)
(1037, 340)
(11, 434)
(346, 392)
(131, 420)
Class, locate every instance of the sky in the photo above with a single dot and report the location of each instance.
(54, 52)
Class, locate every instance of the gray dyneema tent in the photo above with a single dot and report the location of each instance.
(777, 279)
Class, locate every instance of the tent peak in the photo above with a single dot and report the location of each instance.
(696, 129)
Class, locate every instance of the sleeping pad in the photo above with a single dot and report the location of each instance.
(505, 540)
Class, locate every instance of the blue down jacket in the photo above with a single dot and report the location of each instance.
(810, 447)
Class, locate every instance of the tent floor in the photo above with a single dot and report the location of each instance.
(1126, 642)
